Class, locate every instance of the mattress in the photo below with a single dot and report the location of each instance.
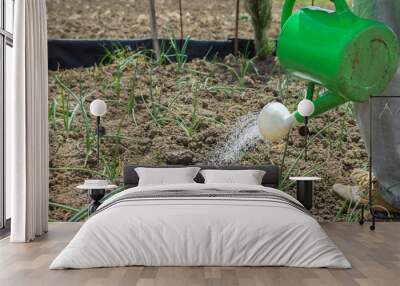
(201, 225)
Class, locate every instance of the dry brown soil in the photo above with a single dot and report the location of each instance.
(127, 19)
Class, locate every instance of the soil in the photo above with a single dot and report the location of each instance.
(129, 19)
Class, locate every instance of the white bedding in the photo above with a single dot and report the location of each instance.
(200, 231)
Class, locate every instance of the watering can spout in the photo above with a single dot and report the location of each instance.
(275, 121)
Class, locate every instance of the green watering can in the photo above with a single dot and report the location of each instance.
(353, 58)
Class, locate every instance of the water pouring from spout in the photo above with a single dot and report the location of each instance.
(243, 137)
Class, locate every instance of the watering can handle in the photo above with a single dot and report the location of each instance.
(287, 10)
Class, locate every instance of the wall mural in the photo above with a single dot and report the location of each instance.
(172, 110)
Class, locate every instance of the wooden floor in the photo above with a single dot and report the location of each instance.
(375, 257)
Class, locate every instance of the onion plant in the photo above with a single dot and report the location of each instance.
(154, 108)
(113, 168)
(153, 104)
(284, 182)
(121, 57)
(194, 123)
(67, 115)
(53, 113)
(179, 53)
(245, 66)
(83, 213)
(62, 206)
(81, 100)
(116, 84)
(132, 100)
(338, 142)
(349, 212)
(115, 55)
(164, 54)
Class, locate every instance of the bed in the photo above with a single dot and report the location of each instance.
(201, 224)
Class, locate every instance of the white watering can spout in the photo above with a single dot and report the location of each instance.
(275, 121)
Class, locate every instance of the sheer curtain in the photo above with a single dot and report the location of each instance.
(27, 124)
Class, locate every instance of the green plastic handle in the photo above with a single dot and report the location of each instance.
(287, 10)
(323, 103)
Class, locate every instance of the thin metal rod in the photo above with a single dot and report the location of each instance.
(180, 18)
(372, 211)
(153, 22)
(236, 40)
(98, 139)
(306, 136)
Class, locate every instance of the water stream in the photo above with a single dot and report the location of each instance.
(243, 137)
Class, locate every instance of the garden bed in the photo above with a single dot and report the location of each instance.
(175, 111)
(182, 113)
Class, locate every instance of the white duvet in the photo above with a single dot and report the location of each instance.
(200, 231)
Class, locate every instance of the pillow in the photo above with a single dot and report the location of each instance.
(247, 177)
(166, 176)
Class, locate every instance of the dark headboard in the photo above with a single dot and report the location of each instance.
(271, 177)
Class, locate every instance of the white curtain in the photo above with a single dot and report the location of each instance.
(27, 124)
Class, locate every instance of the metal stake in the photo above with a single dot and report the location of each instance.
(153, 22)
(371, 207)
(306, 136)
(180, 18)
(236, 40)
(98, 139)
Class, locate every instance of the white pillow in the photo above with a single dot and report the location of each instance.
(247, 177)
(166, 176)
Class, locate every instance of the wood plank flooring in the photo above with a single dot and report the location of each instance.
(375, 257)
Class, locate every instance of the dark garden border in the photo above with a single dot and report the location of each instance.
(68, 54)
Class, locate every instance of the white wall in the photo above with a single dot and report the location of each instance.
(9, 9)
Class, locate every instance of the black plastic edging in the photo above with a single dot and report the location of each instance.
(69, 54)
